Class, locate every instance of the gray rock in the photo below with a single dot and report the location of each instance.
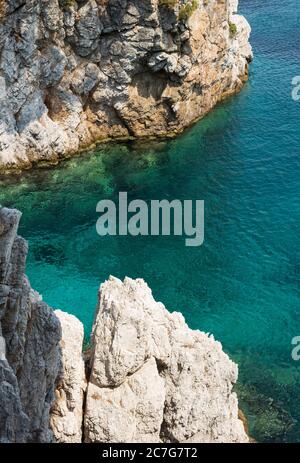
(30, 333)
(14, 424)
(88, 28)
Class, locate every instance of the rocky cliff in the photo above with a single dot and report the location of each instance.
(73, 72)
(29, 342)
(147, 377)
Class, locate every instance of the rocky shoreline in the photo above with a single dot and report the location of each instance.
(78, 72)
(147, 376)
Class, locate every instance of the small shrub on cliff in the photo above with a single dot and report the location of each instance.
(187, 10)
(168, 3)
(66, 4)
(232, 29)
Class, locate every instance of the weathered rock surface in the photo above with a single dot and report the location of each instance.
(132, 412)
(67, 410)
(74, 72)
(29, 337)
(194, 395)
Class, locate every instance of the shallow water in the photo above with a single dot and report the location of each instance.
(243, 284)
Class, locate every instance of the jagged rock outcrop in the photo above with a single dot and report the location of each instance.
(75, 72)
(148, 378)
(29, 337)
(131, 412)
(67, 410)
(188, 373)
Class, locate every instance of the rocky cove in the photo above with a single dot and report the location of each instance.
(242, 284)
(73, 73)
(146, 378)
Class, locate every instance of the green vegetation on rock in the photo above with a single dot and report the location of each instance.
(168, 3)
(187, 10)
(232, 29)
(66, 4)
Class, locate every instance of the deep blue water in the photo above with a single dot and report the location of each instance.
(243, 284)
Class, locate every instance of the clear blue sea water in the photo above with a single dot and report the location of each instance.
(243, 284)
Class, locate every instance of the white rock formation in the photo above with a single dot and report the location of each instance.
(131, 412)
(132, 329)
(67, 410)
(240, 48)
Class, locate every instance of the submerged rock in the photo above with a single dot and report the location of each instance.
(77, 72)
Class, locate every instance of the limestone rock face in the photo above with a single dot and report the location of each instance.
(132, 412)
(194, 395)
(67, 410)
(29, 337)
(74, 72)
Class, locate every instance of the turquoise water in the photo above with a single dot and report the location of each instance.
(243, 284)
